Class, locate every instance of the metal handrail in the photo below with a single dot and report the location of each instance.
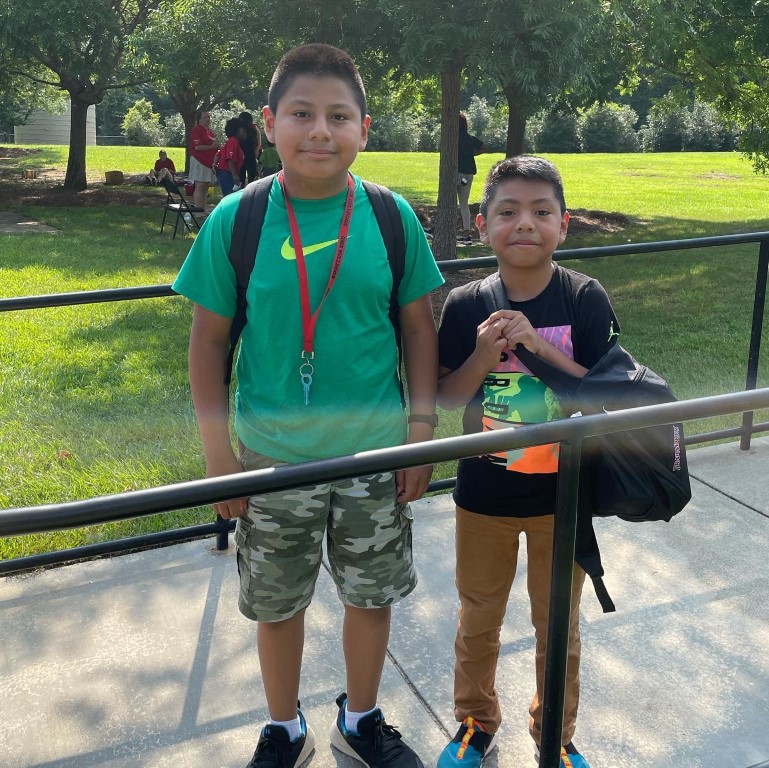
(744, 432)
(106, 509)
(570, 433)
(453, 265)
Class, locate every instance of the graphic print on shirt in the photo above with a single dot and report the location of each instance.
(514, 397)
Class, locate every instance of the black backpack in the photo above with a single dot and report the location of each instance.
(247, 230)
(637, 475)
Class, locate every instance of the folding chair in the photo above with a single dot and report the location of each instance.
(177, 203)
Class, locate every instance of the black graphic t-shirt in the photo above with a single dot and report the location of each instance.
(574, 315)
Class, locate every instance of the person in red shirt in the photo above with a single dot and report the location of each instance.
(164, 169)
(230, 157)
(203, 147)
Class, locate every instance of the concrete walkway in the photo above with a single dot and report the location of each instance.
(144, 661)
(12, 223)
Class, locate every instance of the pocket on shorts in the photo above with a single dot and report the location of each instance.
(244, 572)
(251, 460)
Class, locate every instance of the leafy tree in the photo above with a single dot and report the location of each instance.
(207, 53)
(707, 131)
(441, 39)
(665, 129)
(719, 47)
(19, 96)
(173, 131)
(549, 49)
(81, 47)
(488, 122)
(396, 131)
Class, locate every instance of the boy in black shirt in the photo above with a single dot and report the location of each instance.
(565, 318)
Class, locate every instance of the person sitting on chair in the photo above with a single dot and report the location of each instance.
(164, 168)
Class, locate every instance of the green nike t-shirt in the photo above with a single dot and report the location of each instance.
(355, 396)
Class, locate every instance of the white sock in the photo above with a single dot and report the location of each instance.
(351, 719)
(293, 727)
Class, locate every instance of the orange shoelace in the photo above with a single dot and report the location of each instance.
(469, 733)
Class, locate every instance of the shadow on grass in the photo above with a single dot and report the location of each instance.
(135, 360)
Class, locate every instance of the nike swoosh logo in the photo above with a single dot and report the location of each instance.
(287, 250)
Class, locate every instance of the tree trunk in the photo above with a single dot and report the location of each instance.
(445, 223)
(516, 123)
(75, 176)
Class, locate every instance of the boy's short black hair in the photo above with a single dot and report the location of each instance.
(232, 126)
(318, 60)
(522, 167)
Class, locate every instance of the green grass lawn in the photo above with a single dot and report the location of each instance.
(94, 399)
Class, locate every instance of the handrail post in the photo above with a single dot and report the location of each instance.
(564, 537)
(222, 534)
(754, 351)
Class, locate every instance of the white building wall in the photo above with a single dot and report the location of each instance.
(46, 128)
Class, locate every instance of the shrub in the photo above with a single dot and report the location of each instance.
(706, 130)
(173, 131)
(488, 123)
(394, 132)
(429, 134)
(665, 129)
(555, 131)
(141, 125)
(608, 128)
(673, 126)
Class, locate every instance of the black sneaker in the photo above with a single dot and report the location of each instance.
(276, 750)
(376, 745)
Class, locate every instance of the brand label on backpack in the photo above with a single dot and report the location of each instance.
(676, 448)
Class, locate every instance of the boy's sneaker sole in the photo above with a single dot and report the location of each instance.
(308, 749)
(338, 740)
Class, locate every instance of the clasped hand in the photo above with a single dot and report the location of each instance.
(505, 328)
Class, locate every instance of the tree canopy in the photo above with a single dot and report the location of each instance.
(79, 47)
(202, 52)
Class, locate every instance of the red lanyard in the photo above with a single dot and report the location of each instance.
(310, 319)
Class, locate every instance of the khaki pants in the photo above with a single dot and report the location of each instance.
(487, 554)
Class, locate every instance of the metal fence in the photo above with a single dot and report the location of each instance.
(221, 528)
(570, 433)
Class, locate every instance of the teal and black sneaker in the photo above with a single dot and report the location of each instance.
(570, 757)
(468, 748)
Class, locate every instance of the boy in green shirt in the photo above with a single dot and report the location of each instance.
(318, 304)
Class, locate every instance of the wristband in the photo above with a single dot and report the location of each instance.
(431, 419)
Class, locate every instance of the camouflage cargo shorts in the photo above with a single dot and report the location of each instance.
(280, 544)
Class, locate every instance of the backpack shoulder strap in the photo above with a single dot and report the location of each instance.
(391, 226)
(494, 295)
(492, 290)
(246, 232)
(390, 223)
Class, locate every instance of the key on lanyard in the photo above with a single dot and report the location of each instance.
(305, 374)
